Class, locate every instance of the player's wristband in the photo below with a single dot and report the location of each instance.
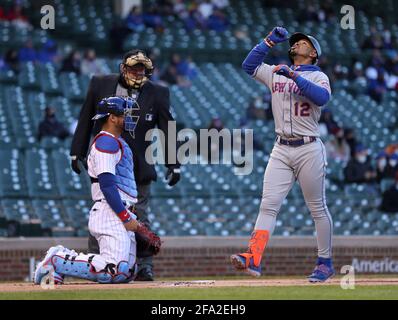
(124, 216)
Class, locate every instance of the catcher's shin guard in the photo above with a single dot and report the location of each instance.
(85, 267)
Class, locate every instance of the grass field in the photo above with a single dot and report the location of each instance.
(289, 288)
(221, 293)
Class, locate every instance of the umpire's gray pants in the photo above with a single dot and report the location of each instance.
(144, 192)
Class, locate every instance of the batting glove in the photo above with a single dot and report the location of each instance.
(277, 35)
(284, 70)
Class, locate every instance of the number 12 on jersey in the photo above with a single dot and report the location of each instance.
(302, 110)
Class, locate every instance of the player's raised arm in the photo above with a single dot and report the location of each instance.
(319, 94)
(254, 60)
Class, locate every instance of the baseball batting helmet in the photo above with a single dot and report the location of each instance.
(119, 106)
(299, 36)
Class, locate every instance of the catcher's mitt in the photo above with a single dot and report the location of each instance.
(148, 242)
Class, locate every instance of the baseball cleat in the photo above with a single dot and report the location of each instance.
(45, 267)
(246, 265)
(323, 271)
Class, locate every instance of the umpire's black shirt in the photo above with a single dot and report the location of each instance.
(154, 102)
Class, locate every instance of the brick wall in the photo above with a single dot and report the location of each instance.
(209, 256)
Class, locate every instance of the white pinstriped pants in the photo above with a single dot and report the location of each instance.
(115, 242)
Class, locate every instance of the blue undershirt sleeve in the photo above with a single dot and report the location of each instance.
(108, 187)
(255, 58)
(317, 94)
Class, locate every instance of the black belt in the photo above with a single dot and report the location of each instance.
(295, 142)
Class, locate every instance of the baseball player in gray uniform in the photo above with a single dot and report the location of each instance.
(298, 93)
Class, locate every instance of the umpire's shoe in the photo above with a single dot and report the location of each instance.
(145, 274)
(45, 267)
(244, 262)
(323, 270)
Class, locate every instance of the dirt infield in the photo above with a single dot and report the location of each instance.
(70, 285)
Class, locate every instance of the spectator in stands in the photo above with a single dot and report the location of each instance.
(27, 52)
(188, 14)
(392, 79)
(358, 76)
(309, 13)
(326, 12)
(359, 169)
(216, 123)
(135, 20)
(177, 72)
(153, 19)
(170, 76)
(328, 121)
(350, 138)
(377, 87)
(117, 34)
(17, 17)
(214, 146)
(217, 21)
(90, 65)
(256, 109)
(389, 201)
(184, 66)
(48, 53)
(51, 127)
(165, 7)
(337, 148)
(72, 63)
(386, 166)
(11, 60)
(374, 40)
(220, 4)
(205, 10)
(381, 165)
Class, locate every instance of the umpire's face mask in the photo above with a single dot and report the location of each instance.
(136, 70)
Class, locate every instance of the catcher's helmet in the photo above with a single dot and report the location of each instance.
(299, 36)
(119, 106)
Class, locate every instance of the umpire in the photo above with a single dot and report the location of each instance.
(154, 102)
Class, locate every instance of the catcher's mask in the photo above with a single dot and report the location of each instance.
(119, 106)
(299, 36)
(136, 68)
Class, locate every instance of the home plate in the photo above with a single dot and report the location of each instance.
(194, 283)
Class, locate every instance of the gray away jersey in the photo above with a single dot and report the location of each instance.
(294, 114)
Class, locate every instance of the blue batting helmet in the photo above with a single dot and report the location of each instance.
(299, 36)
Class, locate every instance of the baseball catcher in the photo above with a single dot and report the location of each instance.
(111, 222)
